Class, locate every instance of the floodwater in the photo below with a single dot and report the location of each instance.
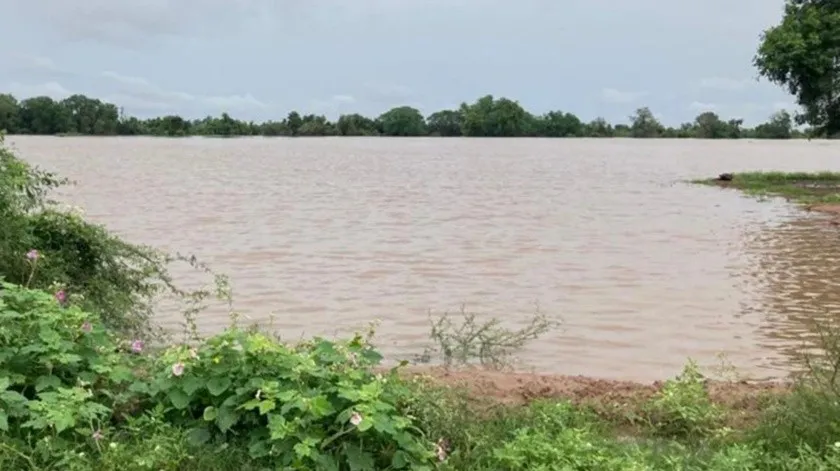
(325, 235)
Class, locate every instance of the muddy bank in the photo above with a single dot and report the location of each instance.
(615, 400)
(519, 388)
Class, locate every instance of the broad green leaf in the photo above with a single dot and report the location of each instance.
(226, 418)
(44, 382)
(179, 398)
(358, 459)
(4, 421)
(191, 384)
(210, 413)
(218, 385)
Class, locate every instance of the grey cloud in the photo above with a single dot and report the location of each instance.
(144, 94)
(130, 23)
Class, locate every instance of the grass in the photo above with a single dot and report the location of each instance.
(799, 187)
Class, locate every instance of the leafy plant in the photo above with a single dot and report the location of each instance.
(60, 370)
(489, 343)
(311, 405)
(682, 408)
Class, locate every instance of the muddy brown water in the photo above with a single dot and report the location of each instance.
(325, 235)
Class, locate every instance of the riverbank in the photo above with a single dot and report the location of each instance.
(818, 191)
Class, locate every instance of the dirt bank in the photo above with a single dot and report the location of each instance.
(610, 398)
(518, 388)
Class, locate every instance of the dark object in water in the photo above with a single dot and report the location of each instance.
(726, 177)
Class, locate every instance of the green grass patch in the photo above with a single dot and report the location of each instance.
(800, 187)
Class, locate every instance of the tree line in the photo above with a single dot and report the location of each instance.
(486, 117)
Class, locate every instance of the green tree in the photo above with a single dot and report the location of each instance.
(9, 114)
(294, 122)
(559, 124)
(708, 125)
(780, 126)
(599, 127)
(402, 121)
(645, 125)
(90, 116)
(802, 53)
(494, 118)
(43, 115)
(445, 123)
(355, 125)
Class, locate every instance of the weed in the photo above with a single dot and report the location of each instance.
(488, 343)
(683, 409)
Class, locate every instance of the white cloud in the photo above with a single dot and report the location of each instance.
(612, 95)
(724, 83)
(139, 92)
(700, 106)
(53, 90)
(333, 106)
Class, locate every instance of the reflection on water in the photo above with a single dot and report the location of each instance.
(330, 234)
(798, 271)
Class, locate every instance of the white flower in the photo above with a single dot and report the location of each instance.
(356, 418)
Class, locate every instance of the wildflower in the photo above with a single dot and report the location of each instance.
(137, 346)
(61, 296)
(356, 418)
(194, 353)
(259, 393)
(97, 435)
(442, 449)
(33, 255)
(178, 369)
(87, 327)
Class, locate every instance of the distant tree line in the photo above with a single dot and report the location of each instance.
(486, 117)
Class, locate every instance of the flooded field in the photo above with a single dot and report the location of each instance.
(328, 234)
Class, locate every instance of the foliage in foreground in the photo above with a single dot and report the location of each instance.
(68, 384)
(75, 395)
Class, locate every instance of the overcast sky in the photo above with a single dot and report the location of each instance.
(258, 59)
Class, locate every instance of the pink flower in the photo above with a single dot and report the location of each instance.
(61, 296)
(32, 255)
(137, 346)
(356, 418)
(97, 435)
(87, 327)
(178, 369)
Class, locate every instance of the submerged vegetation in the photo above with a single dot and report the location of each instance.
(801, 187)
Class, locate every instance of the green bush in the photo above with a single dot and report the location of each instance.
(314, 404)
(683, 409)
(118, 280)
(67, 383)
(62, 374)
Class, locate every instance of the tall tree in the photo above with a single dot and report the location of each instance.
(802, 53)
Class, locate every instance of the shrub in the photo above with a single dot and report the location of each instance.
(115, 279)
(62, 375)
(314, 405)
(683, 409)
